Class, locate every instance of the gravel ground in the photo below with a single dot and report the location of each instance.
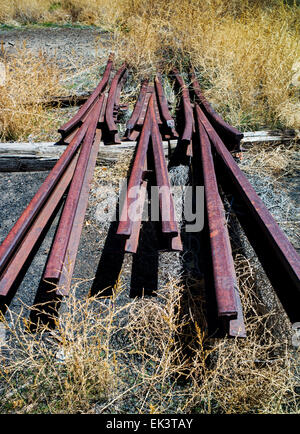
(73, 46)
(100, 257)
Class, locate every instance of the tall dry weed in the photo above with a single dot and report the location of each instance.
(245, 52)
(149, 356)
(29, 80)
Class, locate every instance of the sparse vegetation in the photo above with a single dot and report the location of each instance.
(246, 52)
(112, 356)
(29, 81)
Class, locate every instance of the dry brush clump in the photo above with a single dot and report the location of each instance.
(246, 53)
(149, 355)
(29, 80)
(273, 171)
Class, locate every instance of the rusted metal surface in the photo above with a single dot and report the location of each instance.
(117, 104)
(138, 106)
(66, 140)
(77, 119)
(103, 108)
(187, 108)
(15, 265)
(59, 247)
(109, 112)
(14, 237)
(131, 244)
(277, 255)
(141, 119)
(223, 267)
(168, 130)
(162, 113)
(65, 279)
(168, 221)
(136, 176)
(236, 327)
(117, 107)
(231, 136)
(163, 104)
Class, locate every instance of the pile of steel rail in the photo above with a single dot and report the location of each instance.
(210, 140)
(149, 123)
(72, 176)
(207, 140)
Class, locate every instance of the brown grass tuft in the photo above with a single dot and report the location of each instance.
(246, 53)
(30, 79)
(119, 356)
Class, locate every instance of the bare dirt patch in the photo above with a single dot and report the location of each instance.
(68, 44)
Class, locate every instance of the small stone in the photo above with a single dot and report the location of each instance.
(2, 74)
(2, 335)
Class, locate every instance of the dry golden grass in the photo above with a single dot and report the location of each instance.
(112, 356)
(244, 58)
(278, 160)
(29, 80)
(246, 52)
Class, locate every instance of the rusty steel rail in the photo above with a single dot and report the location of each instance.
(236, 327)
(103, 108)
(118, 107)
(112, 94)
(276, 254)
(131, 244)
(223, 268)
(16, 263)
(168, 130)
(138, 107)
(169, 225)
(187, 108)
(87, 106)
(138, 184)
(162, 113)
(230, 135)
(65, 278)
(225, 282)
(163, 104)
(136, 176)
(16, 234)
(58, 250)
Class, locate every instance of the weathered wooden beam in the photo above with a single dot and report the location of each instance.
(268, 136)
(25, 157)
(22, 156)
(66, 101)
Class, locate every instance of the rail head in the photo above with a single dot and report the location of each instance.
(187, 107)
(109, 118)
(72, 123)
(230, 135)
